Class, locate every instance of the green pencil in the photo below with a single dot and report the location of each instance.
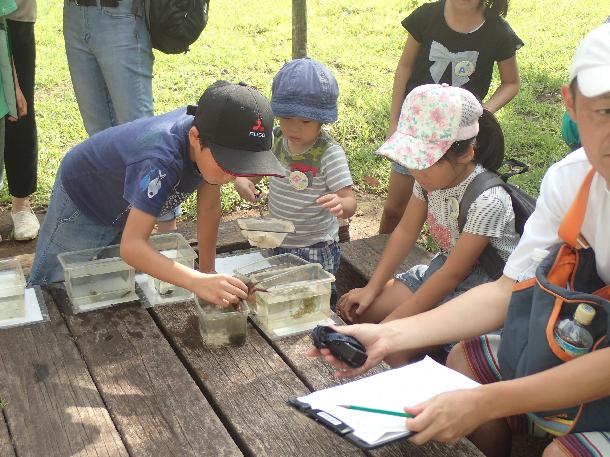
(378, 411)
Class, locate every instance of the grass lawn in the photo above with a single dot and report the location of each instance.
(360, 41)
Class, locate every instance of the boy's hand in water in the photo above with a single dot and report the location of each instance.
(333, 203)
(219, 289)
(371, 337)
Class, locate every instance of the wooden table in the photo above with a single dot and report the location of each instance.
(129, 381)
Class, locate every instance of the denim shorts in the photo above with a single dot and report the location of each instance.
(417, 275)
(64, 229)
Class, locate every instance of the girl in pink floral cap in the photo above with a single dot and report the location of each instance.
(445, 139)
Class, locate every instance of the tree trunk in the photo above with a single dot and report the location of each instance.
(299, 29)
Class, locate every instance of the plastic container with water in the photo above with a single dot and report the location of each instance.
(175, 247)
(265, 233)
(255, 272)
(12, 290)
(222, 326)
(96, 278)
(295, 300)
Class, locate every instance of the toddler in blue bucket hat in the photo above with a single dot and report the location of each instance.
(317, 187)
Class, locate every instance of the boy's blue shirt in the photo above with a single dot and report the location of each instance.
(143, 164)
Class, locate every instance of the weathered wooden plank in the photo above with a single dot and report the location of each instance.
(251, 385)
(364, 254)
(319, 375)
(6, 446)
(52, 407)
(155, 404)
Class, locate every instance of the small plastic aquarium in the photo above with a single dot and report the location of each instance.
(12, 290)
(294, 300)
(265, 233)
(256, 272)
(173, 246)
(97, 278)
(222, 326)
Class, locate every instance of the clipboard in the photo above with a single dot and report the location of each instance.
(340, 428)
(388, 390)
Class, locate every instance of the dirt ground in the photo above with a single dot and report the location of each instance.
(365, 223)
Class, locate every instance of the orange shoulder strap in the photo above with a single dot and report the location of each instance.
(569, 230)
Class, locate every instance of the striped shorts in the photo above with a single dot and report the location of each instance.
(482, 356)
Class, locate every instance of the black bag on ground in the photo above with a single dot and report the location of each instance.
(175, 24)
(523, 206)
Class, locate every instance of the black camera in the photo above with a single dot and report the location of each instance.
(345, 348)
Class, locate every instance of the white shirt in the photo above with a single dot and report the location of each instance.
(557, 191)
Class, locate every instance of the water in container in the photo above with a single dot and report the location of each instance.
(12, 290)
(222, 326)
(175, 247)
(260, 270)
(97, 277)
(300, 295)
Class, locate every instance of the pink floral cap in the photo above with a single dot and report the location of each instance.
(432, 118)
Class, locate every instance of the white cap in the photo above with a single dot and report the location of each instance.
(591, 63)
(584, 314)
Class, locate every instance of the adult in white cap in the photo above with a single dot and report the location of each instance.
(575, 394)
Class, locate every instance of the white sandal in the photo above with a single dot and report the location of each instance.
(25, 225)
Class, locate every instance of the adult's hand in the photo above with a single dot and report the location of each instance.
(370, 335)
(449, 416)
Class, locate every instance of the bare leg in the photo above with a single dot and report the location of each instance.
(554, 450)
(399, 193)
(493, 438)
(20, 204)
(393, 294)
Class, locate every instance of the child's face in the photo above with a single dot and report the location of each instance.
(444, 174)
(205, 162)
(592, 115)
(466, 5)
(300, 132)
(210, 170)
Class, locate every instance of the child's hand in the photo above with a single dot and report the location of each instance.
(219, 289)
(333, 203)
(246, 189)
(354, 303)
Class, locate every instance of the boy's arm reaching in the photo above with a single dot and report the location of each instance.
(221, 290)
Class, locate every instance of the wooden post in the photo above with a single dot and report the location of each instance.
(299, 29)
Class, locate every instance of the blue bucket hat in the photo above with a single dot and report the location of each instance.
(305, 88)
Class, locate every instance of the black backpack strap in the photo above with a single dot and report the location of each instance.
(489, 259)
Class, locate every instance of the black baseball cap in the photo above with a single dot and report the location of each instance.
(237, 122)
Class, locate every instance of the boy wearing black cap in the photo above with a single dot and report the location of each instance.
(112, 187)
